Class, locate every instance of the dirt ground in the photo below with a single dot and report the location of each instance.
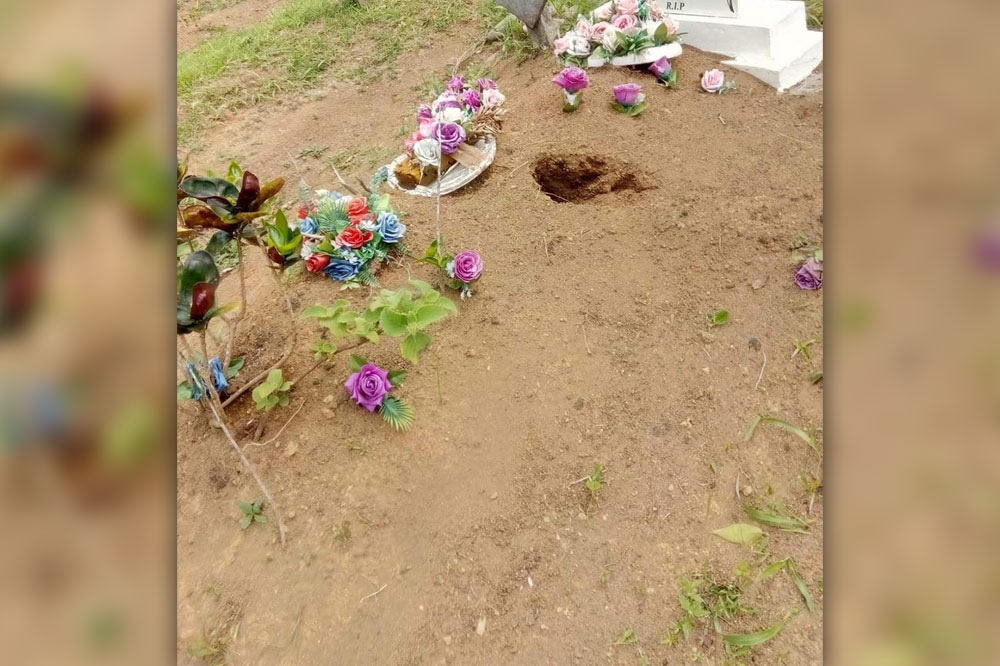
(587, 340)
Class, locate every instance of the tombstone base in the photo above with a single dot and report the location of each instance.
(768, 40)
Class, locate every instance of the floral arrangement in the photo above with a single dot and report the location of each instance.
(448, 129)
(629, 99)
(369, 386)
(664, 72)
(343, 234)
(810, 274)
(714, 81)
(462, 269)
(572, 80)
(618, 28)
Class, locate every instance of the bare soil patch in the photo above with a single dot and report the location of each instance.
(571, 177)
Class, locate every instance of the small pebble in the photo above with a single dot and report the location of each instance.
(494, 496)
(447, 640)
(747, 491)
(481, 626)
(328, 399)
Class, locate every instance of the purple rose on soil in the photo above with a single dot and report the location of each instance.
(661, 68)
(446, 100)
(810, 275)
(368, 386)
(627, 94)
(471, 99)
(424, 114)
(487, 84)
(468, 266)
(572, 80)
(455, 84)
(451, 137)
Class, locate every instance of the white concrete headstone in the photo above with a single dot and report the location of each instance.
(720, 8)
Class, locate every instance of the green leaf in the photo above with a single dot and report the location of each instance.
(413, 344)
(627, 637)
(426, 315)
(246, 520)
(423, 288)
(754, 639)
(741, 533)
(185, 391)
(816, 377)
(393, 323)
(203, 188)
(784, 425)
(431, 252)
(718, 318)
(235, 172)
(235, 365)
(772, 569)
(199, 266)
(357, 362)
(786, 523)
(218, 241)
(801, 584)
(245, 507)
(259, 518)
(396, 413)
(396, 377)
(660, 34)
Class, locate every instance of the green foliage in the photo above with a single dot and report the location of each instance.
(783, 522)
(285, 240)
(740, 533)
(784, 425)
(324, 348)
(802, 347)
(595, 480)
(396, 413)
(703, 599)
(252, 513)
(224, 205)
(788, 564)
(406, 313)
(816, 377)
(814, 14)
(272, 392)
(740, 644)
(627, 637)
(197, 279)
(718, 318)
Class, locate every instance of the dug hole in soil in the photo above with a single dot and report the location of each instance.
(587, 341)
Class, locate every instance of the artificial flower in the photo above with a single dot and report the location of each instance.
(466, 267)
(655, 11)
(571, 79)
(611, 38)
(411, 141)
(427, 129)
(455, 84)
(493, 97)
(450, 115)
(671, 24)
(446, 100)
(661, 68)
(713, 81)
(308, 226)
(426, 151)
(578, 47)
(471, 99)
(451, 136)
(303, 211)
(627, 23)
(628, 94)
(368, 386)
(605, 13)
(810, 275)
(561, 44)
(584, 28)
(389, 227)
(424, 114)
(486, 84)
(342, 270)
(627, 7)
(598, 30)
(352, 237)
(357, 208)
(218, 376)
(317, 262)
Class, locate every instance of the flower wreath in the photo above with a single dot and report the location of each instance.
(618, 28)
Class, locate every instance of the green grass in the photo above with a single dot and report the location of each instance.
(192, 10)
(814, 13)
(301, 41)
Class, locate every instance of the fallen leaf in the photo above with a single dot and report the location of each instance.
(291, 449)
(739, 533)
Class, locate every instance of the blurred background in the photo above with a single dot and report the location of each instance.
(912, 274)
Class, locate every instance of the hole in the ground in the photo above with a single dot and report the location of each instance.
(574, 177)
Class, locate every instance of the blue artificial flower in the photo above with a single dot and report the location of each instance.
(218, 376)
(379, 178)
(390, 228)
(341, 270)
(308, 226)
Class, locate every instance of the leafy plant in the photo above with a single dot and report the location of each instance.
(627, 637)
(197, 279)
(785, 523)
(788, 564)
(273, 391)
(283, 242)
(224, 205)
(595, 481)
(816, 377)
(718, 318)
(740, 644)
(252, 513)
(703, 599)
(802, 347)
(784, 425)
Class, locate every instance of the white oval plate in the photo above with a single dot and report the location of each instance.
(457, 176)
(652, 54)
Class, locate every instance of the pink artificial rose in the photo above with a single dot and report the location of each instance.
(712, 80)
(584, 28)
(598, 30)
(671, 24)
(627, 7)
(410, 142)
(605, 13)
(561, 44)
(627, 23)
(427, 129)
(655, 11)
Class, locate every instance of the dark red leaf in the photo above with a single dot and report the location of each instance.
(275, 256)
(202, 299)
(249, 192)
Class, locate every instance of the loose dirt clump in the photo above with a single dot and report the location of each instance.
(573, 177)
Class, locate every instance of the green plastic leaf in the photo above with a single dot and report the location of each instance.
(393, 323)
(786, 523)
(660, 35)
(426, 315)
(413, 344)
(741, 533)
(357, 362)
(754, 639)
(431, 252)
(317, 311)
(396, 413)
(423, 288)
(396, 377)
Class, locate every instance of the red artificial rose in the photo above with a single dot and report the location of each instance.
(303, 212)
(317, 262)
(353, 237)
(357, 208)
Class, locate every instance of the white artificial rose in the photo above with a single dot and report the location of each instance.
(426, 151)
(578, 47)
(492, 97)
(449, 115)
(610, 39)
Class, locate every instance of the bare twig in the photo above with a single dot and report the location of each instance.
(580, 480)
(343, 182)
(374, 593)
(586, 343)
(511, 172)
(235, 321)
(761, 375)
(545, 245)
(280, 430)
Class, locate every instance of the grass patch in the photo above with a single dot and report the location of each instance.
(298, 43)
(192, 10)
(814, 14)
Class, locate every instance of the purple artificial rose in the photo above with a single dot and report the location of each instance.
(661, 68)
(451, 136)
(468, 266)
(471, 99)
(424, 114)
(487, 84)
(455, 83)
(368, 386)
(627, 94)
(572, 80)
(446, 100)
(810, 275)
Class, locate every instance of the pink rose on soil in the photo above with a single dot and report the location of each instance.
(627, 94)
(368, 386)
(597, 32)
(712, 80)
(628, 7)
(468, 266)
(810, 275)
(627, 23)
(571, 79)
(561, 44)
